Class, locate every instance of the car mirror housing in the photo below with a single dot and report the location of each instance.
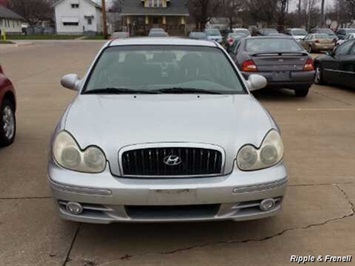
(256, 82)
(70, 81)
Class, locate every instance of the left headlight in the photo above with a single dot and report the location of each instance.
(270, 153)
(68, 154)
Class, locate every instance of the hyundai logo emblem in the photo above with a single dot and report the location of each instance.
(172, 160)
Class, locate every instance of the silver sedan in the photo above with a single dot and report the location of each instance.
(158, 133)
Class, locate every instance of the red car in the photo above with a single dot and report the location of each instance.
(7, 111)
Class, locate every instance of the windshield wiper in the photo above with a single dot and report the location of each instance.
(112, 90)
(186, 90)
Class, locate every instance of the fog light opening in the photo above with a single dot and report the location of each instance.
(267, 204)
(74, 208)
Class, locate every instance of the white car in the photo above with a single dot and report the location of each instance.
(348, 36)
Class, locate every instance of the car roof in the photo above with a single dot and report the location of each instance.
(161, 41)
(278, 36)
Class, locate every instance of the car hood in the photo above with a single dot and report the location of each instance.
(115, 121)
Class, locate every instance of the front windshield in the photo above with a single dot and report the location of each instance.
(150, 68)
(272, 45)
(213, 32)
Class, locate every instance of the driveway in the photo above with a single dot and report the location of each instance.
(317, 218)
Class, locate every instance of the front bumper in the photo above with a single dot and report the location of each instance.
(108, 199)
(296, 80)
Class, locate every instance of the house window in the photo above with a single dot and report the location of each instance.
(89, 21)
(70, 23)
(155, 3)
(74, 5)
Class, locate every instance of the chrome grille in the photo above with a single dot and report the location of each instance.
(192, 162)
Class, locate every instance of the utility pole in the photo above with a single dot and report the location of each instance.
(104, 19)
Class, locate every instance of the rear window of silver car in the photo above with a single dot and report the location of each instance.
(146, 67)
(272, 45)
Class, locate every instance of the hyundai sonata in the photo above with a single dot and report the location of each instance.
(165, 129)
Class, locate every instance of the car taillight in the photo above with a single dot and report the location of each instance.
(308, 66)
(249, 66)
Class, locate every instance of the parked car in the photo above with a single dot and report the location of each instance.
(266, 31)
(349, 36)
(198, 35)
(137, 143)
(338, 66)
(156, 30)
(241, 31)
(317, 42)
(214, 35)
(297, 33)
(7, 111)
(281, 60)
(158, 34)
(327, 31)
(342, 32)
(236, 35)
(119, 35)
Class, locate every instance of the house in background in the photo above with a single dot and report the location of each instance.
(139, 16)
(78, 17)
(10, 22)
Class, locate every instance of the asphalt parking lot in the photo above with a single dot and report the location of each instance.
(317, 218)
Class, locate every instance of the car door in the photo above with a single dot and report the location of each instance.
(334, 66)
(347, 67)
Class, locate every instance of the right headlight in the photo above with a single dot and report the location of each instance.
(68, 154)
(270, 153)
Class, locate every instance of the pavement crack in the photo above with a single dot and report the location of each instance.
(320, 184)
(257, 239)
(67, 256)
(24, 198)
(346, 196)
(231, 242)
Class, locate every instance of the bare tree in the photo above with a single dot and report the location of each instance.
(231, 9)
(263, 10)
(282, 15)
(310, 11)
(117, 6)
(34, 11)
(202, 11)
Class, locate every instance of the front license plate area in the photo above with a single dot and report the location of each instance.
(281, 75)
(172, 196)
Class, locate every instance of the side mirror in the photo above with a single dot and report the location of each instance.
(256, 82)
(71, 82)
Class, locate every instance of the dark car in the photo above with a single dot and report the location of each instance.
(196, 35)
(266, 32)
(342, 32)
(327, 31)
(338, 66)
(281, 60)
(7, 111)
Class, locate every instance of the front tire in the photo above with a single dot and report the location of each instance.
(7, 123)
(302, 92)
